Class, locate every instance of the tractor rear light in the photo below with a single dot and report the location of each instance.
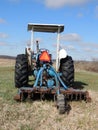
(44, 56)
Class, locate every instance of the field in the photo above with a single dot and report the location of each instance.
(6, 62)
(43, 115)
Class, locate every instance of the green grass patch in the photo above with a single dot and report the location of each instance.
(87, 80)
(7, 89)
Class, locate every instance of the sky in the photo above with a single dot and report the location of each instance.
(79, 17)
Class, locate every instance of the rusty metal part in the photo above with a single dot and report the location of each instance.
(17, 97)
(70, 94)
(73, 94)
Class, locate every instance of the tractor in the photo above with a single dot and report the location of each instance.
(57, 81)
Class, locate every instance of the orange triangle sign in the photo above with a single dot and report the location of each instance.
(45, 56)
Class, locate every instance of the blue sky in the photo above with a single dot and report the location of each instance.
(80, 17)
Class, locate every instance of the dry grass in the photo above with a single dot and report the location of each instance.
(88, 66)
(7, 62)
(41, 115)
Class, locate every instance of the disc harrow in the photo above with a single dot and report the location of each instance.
(70, 94)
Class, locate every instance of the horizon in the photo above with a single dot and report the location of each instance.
(14, 57)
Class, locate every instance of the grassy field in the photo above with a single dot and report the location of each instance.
(43, 115)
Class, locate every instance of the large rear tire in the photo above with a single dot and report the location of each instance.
(21, 71)
(67, 70)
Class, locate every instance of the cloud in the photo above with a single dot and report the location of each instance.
(80, 49)
(2, 44)
(3, 35)
(88, 49)
(71, 37)
(71, 47)
(61, 3)
(2, 21)
(80, 15)
(88, 45)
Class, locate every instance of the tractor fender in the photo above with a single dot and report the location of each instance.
(62, 54)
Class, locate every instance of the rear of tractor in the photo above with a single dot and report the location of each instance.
(47, 80)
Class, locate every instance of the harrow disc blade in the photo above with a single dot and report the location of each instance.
(77, 95)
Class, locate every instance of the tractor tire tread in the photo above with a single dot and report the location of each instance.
(21, 71)
(67, 70)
